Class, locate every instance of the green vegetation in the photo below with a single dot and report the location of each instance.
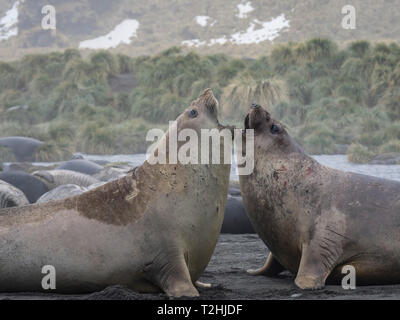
(324, 95)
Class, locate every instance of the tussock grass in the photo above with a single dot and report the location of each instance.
(325, 93)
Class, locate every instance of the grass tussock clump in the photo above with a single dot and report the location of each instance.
(359, 153)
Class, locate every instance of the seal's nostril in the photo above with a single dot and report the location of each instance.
(255, 106)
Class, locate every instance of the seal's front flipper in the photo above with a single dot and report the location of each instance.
(172, 275)
(203, 285)
(314, 268)
(271, 268)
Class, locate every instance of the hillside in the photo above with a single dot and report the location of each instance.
(240, 28)
(327, 96)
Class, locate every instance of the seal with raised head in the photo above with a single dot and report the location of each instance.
(156, 228)
(315, 220)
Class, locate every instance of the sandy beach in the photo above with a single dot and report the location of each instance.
(235, 254)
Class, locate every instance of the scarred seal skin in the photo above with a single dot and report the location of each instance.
(314, 219)
(155, 228)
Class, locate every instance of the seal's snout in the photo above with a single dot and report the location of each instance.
(257, 117)
(247, 122)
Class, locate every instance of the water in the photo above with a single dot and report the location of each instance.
(340, 162)
(336, 161)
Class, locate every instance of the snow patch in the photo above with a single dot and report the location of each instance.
(222, 40)
(194, 43)
(202, 20)
(257, 32)
(9, 23)
(244, 9)
(122, 33)
(268, 31)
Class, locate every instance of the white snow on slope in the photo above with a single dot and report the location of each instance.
(194, 43)
(257, 32)
(244, 9)
(122, 33)
(9, 23)
(269, 31)
(220, 41)
(202, 20)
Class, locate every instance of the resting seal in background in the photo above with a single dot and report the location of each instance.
(32, 187)
(56, 178)
(315, 219)
(11, 196)
(23, 148)
(155, 228)
(236, 220)
(62, 192)
(82, 166)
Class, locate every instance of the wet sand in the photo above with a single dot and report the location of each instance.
(235, 254)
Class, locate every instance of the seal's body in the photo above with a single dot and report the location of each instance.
(11, 196)
(31, 186)
(62, 192)
(155, 228)
(314, 219)
(56, 178)
(82, 166)
(22, 147)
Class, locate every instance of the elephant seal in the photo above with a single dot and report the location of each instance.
(109, 173)
(23, 148)
(32, 187)
(11, 196)
(235, 219)
(156, 228)
(82, 166)
(62, 192)
(315, 220)
(56, 178)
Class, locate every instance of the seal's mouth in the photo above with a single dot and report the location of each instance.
(247, 122)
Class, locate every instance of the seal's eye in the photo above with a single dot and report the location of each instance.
(274, 129)
(193, 113)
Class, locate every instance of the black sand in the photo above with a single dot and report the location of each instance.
(226, 271)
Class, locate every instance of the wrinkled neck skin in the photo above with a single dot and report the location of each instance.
(282, 200)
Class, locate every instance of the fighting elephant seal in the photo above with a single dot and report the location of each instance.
(155, 228)
(314, 219)
(56, 178)
(11, 196)
(23, 148)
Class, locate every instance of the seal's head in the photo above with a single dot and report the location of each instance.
(269, 134)
(201, 114)
(196, 134)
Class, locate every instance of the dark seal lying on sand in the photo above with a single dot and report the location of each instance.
(314, 219)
